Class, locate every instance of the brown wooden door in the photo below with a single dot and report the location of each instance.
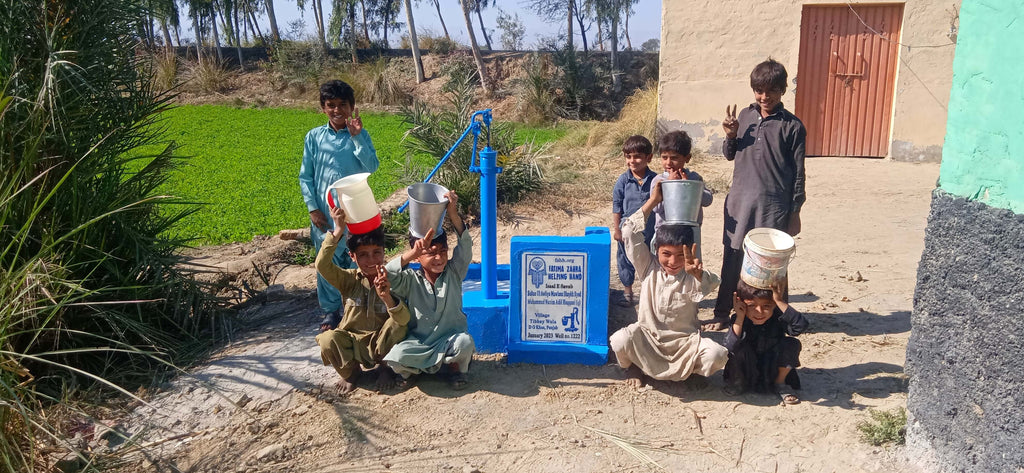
(846, 77)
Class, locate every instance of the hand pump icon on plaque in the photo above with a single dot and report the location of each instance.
(571, 320)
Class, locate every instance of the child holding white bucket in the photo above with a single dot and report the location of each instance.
(631, 190)
(374, 319)
(438, 334)
(665, 343)
(332, 151)
(767, 143)
(674, 149)
(763, 355)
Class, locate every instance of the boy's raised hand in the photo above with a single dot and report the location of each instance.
(423, 244)
(739, 307)
(338, 214)
(691, 263)
(730, 124)
(355, 124)
(453, 201)
(383, 286)
(779, 290)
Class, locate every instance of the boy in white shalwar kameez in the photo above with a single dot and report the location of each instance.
(665, 342)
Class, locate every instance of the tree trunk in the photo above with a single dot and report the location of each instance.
(318, 18)
(366, 31)
(600, 35)
(256, 27)
(199, 37)
(415, 43)
(177, 39)
(167, 34)
(476, 49)
(273, 21)
(387, 20)
(629, 44)
(352, 32)
(238, 38)
(614, 36)
(437, 5)
(216, 35)
(568, 36)
(483, 30)
(583, 29)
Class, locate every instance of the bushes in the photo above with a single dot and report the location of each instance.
(82, 260)
(434, 131)
(885, 427)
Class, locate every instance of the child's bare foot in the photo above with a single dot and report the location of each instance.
(457, 381)
(385, 378)
(715, 324)
(405, 383)
(634, 377)
(347, 385)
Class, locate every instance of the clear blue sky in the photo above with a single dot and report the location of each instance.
(644, 24)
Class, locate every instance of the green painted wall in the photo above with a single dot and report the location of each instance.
(983, 156)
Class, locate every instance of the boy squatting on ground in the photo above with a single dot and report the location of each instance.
(665, 342)
(438, 334)
(374, 320)
(631, 190)
(761, 355)
(674, 149)
(332, 151)
(767, 144)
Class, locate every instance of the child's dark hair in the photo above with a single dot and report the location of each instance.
(672, 235)
(746, 292)
(374, 237)
(677, 141)
(769, 76)
(336, 89)
(637, 144)
(440, 240)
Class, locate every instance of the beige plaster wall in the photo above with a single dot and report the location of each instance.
(709, 47)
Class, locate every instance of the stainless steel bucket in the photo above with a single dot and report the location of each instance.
(681, 200)
(427, 206)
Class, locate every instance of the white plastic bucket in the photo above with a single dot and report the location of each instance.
(681, 200)
(766, 255)
(361, 212)
(427, 207)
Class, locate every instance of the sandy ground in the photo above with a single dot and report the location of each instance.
(265, 403)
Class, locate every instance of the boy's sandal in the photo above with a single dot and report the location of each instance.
(331, 320)
(457, 381)
(786, 393)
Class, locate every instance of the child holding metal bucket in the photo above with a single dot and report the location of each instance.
(666, 343)
(438, 336)
(332, 151)
(674, 149)
(763, 355)
(767, 143)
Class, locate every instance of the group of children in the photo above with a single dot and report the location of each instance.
(399, 320)
(404, 321)
(665, 343)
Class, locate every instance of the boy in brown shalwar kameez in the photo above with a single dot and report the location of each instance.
(665, 342)
(374, 320)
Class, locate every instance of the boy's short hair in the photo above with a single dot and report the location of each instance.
(637, 144)
(440, 240)
(673, 235)
(769, 75)
(336, 89)
(374, 237)
(746, 292)
(677, 141)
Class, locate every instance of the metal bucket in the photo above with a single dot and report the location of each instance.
(681, 200)
(427, 206)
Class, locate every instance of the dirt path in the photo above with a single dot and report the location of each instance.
(854, 277)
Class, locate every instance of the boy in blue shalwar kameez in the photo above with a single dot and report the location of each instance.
(332, 151)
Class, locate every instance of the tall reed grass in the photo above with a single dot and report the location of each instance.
(89, 290)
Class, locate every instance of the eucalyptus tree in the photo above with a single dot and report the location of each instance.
(554, 9)
(167, 14)
(272, 19)
(420, 77)
(437, 6)
(477, 6)
(318, 18)
(476, 48)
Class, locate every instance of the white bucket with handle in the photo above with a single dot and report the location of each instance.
(361, 212)
(427, 208)
(766, 255)
(681, 200)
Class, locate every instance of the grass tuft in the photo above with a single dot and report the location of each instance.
(884, 427)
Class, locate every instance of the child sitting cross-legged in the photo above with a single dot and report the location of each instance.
(665, 342)
(374, 320)
(763, 354)
(438, 336)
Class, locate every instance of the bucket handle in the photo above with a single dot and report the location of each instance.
(329, 198)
